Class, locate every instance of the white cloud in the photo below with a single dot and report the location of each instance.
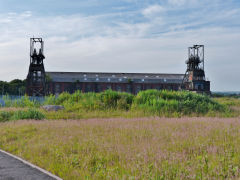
(181, 2)
(153, 10)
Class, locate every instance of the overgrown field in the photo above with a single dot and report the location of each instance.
(145, 148)
(199, 143)
(144, 104)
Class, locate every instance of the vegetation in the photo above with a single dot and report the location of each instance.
(123, 148)
(23, 101)
(149, 148)
(120, 104)
(170, 102)
(14, 87)
(21, 114)
(229, 94)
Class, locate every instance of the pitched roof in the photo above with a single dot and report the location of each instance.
(115, 77)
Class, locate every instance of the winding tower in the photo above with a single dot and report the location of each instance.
(36, 85)
(194, 78)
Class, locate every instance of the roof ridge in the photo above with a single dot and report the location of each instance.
(114, 73)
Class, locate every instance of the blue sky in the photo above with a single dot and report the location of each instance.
(122, 36)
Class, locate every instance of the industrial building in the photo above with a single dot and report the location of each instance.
(97, 82)
(41, 83)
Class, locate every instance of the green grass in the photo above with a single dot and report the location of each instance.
(127, 146)
(146, 148)
(21, 114)
(229, 101)
(145, 104)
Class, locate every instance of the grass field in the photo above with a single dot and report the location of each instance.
(112, 135)
(142, 148)
(110, 104)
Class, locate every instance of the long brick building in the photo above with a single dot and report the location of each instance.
(97, 82)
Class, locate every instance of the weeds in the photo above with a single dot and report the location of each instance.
(29, 114)
(5, 116)
(147, 103)
(146, 148)
(162, 103)
(21, 114)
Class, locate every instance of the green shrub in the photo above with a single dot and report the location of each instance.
(29, 114)
(112, 99)
(20, 114)
(176, 101)
(93, 101)
(50, 100)
(65, 96)
(5, 116)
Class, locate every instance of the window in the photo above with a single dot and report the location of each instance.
(137, 89)
(119, 88)
(128, 88)
(198, 86)
(78, 87)
(148, 87)
(109, 86)
(98, 88)
(158, 87)
(57, 89)
(88, 88)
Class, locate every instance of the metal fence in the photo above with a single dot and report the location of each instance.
(18, 99)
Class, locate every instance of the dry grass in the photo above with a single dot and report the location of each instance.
(11, 108)
(142, 148)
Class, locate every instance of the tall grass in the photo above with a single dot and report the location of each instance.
(146, 148)
(23, 101)
(149, 102)
(182, 102)
(92, 101)
(21, 114)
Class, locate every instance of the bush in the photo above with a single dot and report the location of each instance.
(50, 100)
(112, 99)
(5, 116)
(176, 101)
(93, 101)
(17, 115)
(29, 114)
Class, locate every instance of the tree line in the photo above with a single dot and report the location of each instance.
(14, 87)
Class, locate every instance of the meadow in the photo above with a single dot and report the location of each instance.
(119, 104)
(113, 135)
(141, 148)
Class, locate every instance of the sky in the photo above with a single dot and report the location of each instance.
(149, 36)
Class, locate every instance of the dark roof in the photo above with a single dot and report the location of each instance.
(115, 77)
